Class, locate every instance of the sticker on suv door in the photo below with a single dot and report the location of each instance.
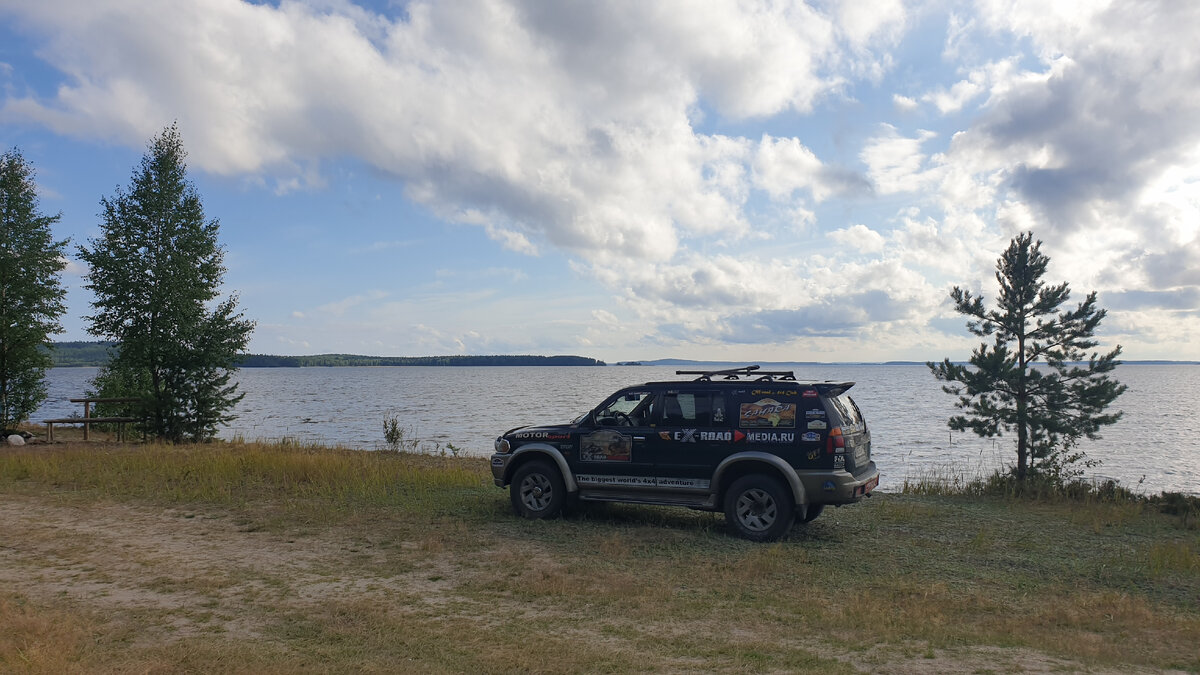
(605, 445)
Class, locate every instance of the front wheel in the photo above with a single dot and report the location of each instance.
(758, 508)
(537, 491)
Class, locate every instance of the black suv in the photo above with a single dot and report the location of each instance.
(762, 446)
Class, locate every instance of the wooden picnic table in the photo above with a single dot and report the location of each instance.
(87, 420)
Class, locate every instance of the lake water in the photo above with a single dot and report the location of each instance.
(1154, 448)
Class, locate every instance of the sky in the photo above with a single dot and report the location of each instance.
(630, 180)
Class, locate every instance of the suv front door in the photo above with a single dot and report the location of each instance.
(613, 453)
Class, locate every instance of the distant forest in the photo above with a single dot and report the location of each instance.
(73, 354)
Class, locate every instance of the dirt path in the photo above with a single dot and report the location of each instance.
(203, 572)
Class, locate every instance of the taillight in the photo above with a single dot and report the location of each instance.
(836, 442)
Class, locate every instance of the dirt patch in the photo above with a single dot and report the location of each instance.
(201, 571)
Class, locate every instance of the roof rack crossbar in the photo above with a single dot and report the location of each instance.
(739, 373)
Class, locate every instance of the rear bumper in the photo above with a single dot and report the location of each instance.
(839, 486)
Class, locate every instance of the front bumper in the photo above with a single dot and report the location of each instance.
(499, 467)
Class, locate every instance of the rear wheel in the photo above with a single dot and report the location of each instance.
(537, 491)
(758, 508)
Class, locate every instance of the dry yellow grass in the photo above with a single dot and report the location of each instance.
(260, 558)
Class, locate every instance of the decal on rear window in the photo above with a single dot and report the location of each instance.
(768, 412)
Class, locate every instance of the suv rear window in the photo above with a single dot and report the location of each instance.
(847, 410)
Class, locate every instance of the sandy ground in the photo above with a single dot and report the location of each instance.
(204, 573)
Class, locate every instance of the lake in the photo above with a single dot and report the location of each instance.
(1154, 448)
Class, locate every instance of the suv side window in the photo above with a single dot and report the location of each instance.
(694, 409)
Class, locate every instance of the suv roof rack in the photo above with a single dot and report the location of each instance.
(739, 373)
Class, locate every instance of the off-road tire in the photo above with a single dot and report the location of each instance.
(758, 508)
(537, 491)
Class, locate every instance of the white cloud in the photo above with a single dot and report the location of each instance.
(513, 241)
(1098, 136)
(859, 238)
(75, 268)
(784, 165)
(340, 307)
(861, 21)
(896, 163)
(564, 123)
(666, 147)
(952, 100)
(605, 317)
(904, 103)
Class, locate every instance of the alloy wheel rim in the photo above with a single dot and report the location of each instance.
(536, 491)
(756, 510)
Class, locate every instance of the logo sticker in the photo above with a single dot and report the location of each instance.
(827, 486)
(810, 437)
(815, 412)
(606, 445)
(839, 462)
(542, 435)
(693, 435)
(768, 412)
(817, 424)
(770, 437)
(641, 481)
(813, 455)
(809, 393)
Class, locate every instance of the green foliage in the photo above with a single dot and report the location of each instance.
(31, 293)
(398, 438)
(1049, 408)
(156, 271)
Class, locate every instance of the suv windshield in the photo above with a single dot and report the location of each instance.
(631, 408)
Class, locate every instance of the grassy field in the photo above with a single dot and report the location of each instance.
(261, 558)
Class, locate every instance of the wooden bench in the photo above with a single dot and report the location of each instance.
(87, 420)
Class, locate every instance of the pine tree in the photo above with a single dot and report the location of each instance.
(31, 293)
(156, 271)
(1049, 405)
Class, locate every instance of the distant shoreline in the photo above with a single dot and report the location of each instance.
(95, 355)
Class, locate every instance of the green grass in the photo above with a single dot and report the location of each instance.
(414, 562)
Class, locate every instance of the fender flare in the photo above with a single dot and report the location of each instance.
(551, 452)
(789, 474)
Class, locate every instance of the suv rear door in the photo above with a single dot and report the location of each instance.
(851, 443)
(691, 435)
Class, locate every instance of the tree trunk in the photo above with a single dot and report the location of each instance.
(1022, 412)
